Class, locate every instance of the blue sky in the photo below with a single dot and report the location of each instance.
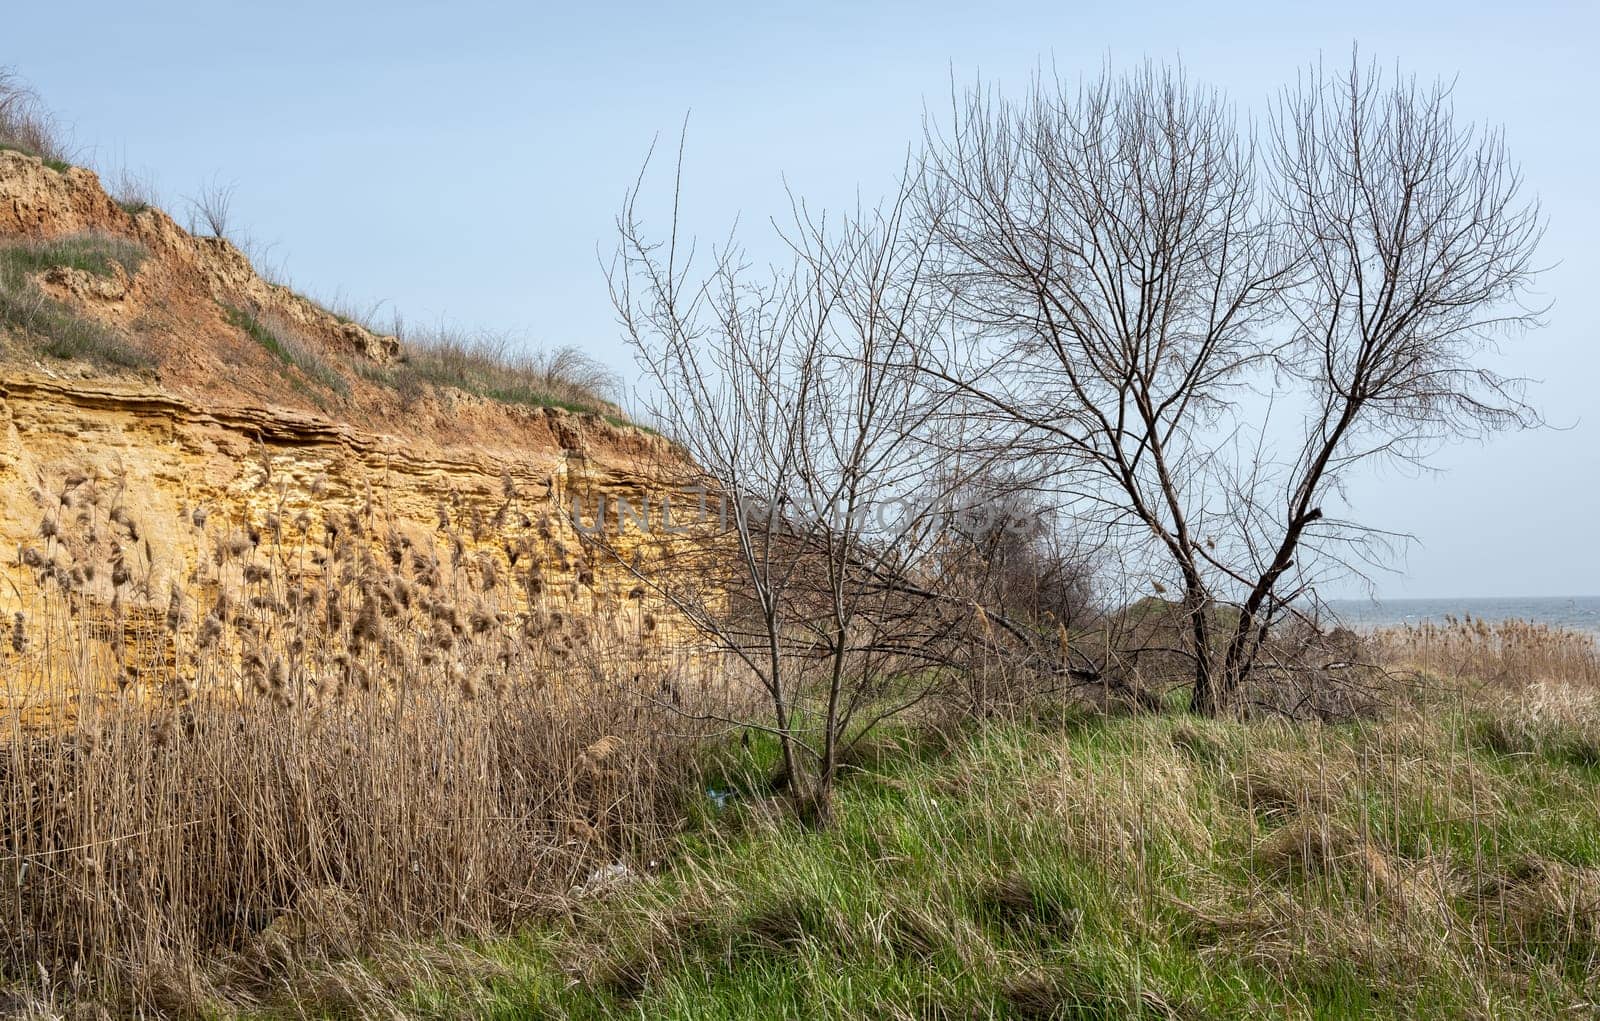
(462, 161)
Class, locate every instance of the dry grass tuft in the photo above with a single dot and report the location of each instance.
(626, 978)
(325, 919)
(1039, 996)
(1076, 991)
(1549, 718)
(1539, 902)
(1203, 740)
(1315, 843)
(1017, 904)
(790, 921)
(1278, 784)
(1155, 801)
(492, 366)
(914, 932)
(381, 982)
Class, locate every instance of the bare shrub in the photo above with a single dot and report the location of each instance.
(1012, 549)
(24, 122)
(568, 369)
(1539, 902)
(787, 391)
(211, 210)
(134, 192)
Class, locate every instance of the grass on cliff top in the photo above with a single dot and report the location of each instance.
(490, 367)
(60, 166)
(483, 365)
(48, 327)
(92, 252)
(26, 126)
(1086, 868)
(279, 340)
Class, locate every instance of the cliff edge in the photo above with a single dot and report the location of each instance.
(155, 376)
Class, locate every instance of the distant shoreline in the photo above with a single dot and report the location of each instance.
(1576, 612)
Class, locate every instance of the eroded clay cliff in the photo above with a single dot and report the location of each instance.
(213, 436)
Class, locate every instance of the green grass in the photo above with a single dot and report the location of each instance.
(92, 253)
(58, 165)
(287, 350)
(535, 397)
(257, 332)
(51, 328)
(483, 380)
(1093, 868)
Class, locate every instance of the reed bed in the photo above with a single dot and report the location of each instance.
(1508, 653)
(321, 733)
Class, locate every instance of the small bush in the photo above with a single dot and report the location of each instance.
(133, 193)
(212, 210)
(25, 125)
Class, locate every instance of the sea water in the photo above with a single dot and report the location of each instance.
(1581, 613)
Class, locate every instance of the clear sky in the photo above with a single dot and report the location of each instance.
(462, 161)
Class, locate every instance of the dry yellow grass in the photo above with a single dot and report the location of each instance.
(1511, 652)
(329, 733)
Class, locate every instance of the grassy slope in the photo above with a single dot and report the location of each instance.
(57, 330)
(1098, 868)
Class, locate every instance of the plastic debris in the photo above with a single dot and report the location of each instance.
(602, 878)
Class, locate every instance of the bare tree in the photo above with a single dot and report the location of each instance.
(1139, 289)
(795, 392)
(1108, 253)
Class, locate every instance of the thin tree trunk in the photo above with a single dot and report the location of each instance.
(1203, 699)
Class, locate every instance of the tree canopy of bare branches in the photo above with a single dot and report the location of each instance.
(1143, 287)
(796, 391)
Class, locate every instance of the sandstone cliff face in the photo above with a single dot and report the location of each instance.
(220, 438)
(183, 476)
